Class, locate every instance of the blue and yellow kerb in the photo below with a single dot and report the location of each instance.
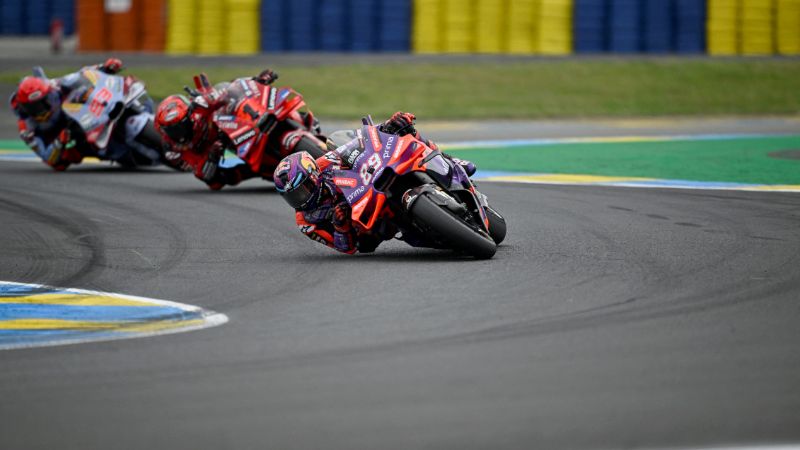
(33, 315)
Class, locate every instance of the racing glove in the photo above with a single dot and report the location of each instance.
(209, 169)
(341, 218)
(267, 76)
(401, 123)
(111, 66)
(27, 136)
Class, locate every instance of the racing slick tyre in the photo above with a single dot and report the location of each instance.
(452, 229)
(312, 146)
(150, 138)
(497, 225)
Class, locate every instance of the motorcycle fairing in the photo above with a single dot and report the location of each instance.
(252, 100)
(96, 107)
(373, 152)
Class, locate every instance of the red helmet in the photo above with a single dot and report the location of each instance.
(174, 120)
(34, 97)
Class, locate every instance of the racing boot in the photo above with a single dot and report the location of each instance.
(468, 166)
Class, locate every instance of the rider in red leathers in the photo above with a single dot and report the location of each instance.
(191, 136)
(321, 211)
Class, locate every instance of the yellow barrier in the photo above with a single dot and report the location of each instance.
(242, 19)
(522, 17)
(757, 25)
(722, 29)
(788, 27)
(493, 26)
(181, 34)
(553, 34)
(427, 33)
(490, 26)
(459, 26)
(210, 27)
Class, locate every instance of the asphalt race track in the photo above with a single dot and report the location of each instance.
(611, 317)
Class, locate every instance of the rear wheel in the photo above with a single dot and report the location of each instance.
(451, 228)
(312, 146)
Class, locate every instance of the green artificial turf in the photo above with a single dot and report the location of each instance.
(548, 88)
(763, 160)
(748, 160)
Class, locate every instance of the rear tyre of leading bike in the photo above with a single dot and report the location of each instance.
(452, 229)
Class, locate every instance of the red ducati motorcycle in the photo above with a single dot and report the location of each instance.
(263, 123)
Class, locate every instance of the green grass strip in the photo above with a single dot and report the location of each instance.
(13, 144)
(549, 88)
(745, 160)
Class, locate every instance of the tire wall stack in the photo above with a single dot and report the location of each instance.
(753, 27)
(241, 30)
(539, 27)
(788, 27)
(34, 17)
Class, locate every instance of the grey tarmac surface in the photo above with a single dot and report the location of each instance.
(610, 318)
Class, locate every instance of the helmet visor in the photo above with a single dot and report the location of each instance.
(180, 132)
(300, 196)
(38, 110)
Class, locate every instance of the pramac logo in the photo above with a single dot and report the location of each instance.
(346, 182)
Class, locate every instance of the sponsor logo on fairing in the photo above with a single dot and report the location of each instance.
(360, 137)
(353, 156)
(228, 125)
(272, 95)
(376, 141)
(346, 182)
(86, 121)
(244, 136)
(399, 149)
(388, 149)
(355, 193)
(247, 91)
(225, 117)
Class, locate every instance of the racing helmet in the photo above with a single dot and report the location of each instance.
(35, 96)
(297, 179)
(174, 121)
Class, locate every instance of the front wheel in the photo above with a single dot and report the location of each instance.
(312, 146)
(497, 225)
(151, 138)
(451, 228)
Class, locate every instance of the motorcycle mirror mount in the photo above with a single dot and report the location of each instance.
(367, 120)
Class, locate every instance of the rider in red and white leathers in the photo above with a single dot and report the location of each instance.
(40, 119)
